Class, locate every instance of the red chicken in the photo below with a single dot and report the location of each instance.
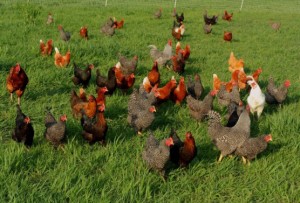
(60, 60)
(227, 36)
(227, 16)
(147, 85)
(178, 63)
(46, 49)
(123, 82)
(16, 81)
(120, 24)
(235, 64)
(100, 100)
(89, 107)
(256, 74)
(185, 52)
(154, 75)
(179, 93)
(163, 93)
(84, 32)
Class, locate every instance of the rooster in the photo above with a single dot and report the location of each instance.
(276, 95)
(235, 64)
(109, 81)
(179, 93)
(23, 131)
(82, 76)
(227, 36)
(153, 76)
(185, 52)
(60, 60)
(210, 21)
(65, 36)
(84, 32)
(16, 81)
(227, 139)
(46, 49)
(252, 147)
(227, 16)
(195, 88)
(161, 57)
(256, 99)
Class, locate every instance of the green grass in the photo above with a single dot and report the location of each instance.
(116, 173)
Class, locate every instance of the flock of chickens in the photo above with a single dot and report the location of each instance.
(232, 139)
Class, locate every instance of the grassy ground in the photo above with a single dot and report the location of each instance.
(116, 173)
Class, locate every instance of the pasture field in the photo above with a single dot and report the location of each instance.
(117, 173)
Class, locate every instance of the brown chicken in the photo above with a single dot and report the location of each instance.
(178, 63)
(217, 83)
(227, 36)
(84, 32)
(120, 24)
(277, 95)
(75, 99)
(60, 60)
(195, 87)
(123, 82)
(154, 75)
(185, 52)
(16, 81)
(256, 74)
(227, 16)
(100, 100)
(235, 64)
(89, 108)
(177, 32)
(147, 85)
(46, 49)
(163, 93)
(179, 93)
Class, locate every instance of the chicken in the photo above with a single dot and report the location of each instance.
(179, 93)
(235, 64)
(276, 95)
(76, 99)
(94, 130)
(128, 66)
(275, 25)
(227, 16)
(256, 74)
(16, 81)
(227, 36)
(178, 63)
(161, 57)
(50, 19)
(108, 30)
(89, 107)
(207, 28)
(217, 83)
(195, 88)
(182, 153)
(154, 75)
(120, 24)
(109, 82)
(225, 98)
(233, 113)
(185, 52)
(157, 154)
(139, 100)
(60, 60)
(23, 131)
(82, 76)
(84, 32)
(210, 20)
(179, 18)
(177, 32)
(100, 100)
(123, 82)
(163, 93)
(55, 131)
(65, 36)
(158, 13)
(46, 49)
(199, 109)
(147, 85)
(252, 147)
(256, 99)
(227, 139)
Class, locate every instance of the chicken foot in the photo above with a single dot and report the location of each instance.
(220, 158)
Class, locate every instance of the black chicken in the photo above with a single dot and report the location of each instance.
(179, 18)
(110, 82)
(82, 76)
(23, 131)
(213, 20)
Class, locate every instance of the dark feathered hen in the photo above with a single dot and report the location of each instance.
(65, 36)
(233, 113)
(199, 109)
(55, 131)
(276, 95)
(109, 82)
(157, 154)
(195, 87)
(252, 147)
(226, 139)
(179, 18)
(210, 20)
(23, 131)
(82, 76)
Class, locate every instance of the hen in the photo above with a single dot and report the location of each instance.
(227, 36)
(65, 36)
(154, 75)
(177, 32)
(277, 95)
(16, 81)
(235, 64)
(161, 57)
(207, 28)
(124, 82)
(210, 20)
(82, 76)
(227, 16)
(60, 60)
(227, 139)
(234, 111)
(23, 131)
(76, 99)
(178, 63)
(89, 107)
(185, 52)
(179, 93)
(120, 24)
(195, 87)
(55, 131)
(84, 33)
(225, 97)
(252, 147)
(109, 82)
(50, 19)
(100, 100)
(256, 99)
(163, 93)
(46, 49)
(179, 18)
(199, 109)
(147, 85)
(108, 29)
(157, 154)
(256, 74)
(128, 66)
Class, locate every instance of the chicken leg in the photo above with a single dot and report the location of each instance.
(245, 161)
(19, 101)
(11, 97)
(220, 158)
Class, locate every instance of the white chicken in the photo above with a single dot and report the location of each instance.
(256, 99)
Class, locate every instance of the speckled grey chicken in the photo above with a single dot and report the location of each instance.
(199, 109)
(148, 98)
(227, 139)
(195, 87)
(162, 57)
(55, 131)
(23, 131)
(224, 97)
(233, 113)
(157, 154)
(252, 147)
(82, 76)
(108, 29)
(128, 66)
(274, 94)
